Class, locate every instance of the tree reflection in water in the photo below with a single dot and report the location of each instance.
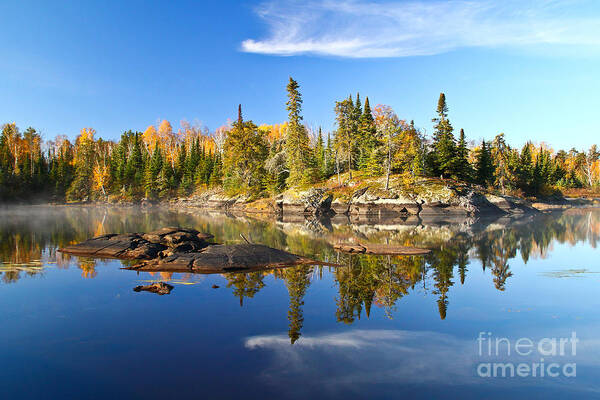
(30, 236)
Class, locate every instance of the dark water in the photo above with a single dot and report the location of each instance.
(379, 327)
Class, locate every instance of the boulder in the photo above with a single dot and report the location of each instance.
(145, 246)
(159, 288)
(382, 204)
(340, 206)
(314, 201)
(185, 250)
(225, 258)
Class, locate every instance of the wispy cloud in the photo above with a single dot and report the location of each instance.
(355, 358)
(360, 28)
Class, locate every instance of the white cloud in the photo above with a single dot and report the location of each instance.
(360, 28)
(369, 356)
(350, 360)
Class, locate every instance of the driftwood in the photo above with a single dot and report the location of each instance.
(186, 250)
(380, 249)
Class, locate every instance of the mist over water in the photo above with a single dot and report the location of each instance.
(378, 327)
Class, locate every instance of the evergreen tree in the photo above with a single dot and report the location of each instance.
(462, 167)
(134, 170)
(329, 164)
(444, 144)
(345, 137)
(319, 156)
(244, 153)
(484, 167)
(525, 168)
(297, 144)
(153, 170)
(367, 136)
(216, 177)
(297, 280)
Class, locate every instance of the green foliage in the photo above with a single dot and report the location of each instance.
(462, 167)
(246, 159)
(245, 152)
(300, 161)
(484, 169)
(345, 141)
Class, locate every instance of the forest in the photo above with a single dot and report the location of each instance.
(263, 160)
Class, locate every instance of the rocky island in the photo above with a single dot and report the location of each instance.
(188, 250)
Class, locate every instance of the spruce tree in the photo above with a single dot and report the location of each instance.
(367, 136)
(345, 136)
(525, 168)
(297, 144)
(462, 167)
(244, 153)
(484, 167)
(153, 169)
(134, 169)
(320, 155)
(444, 144)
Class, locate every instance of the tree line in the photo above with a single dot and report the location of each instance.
(243, 157)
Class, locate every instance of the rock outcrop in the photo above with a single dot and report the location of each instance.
(159, 288)
(185, 250)
(315, 201)
(425, 198)
(141, 246)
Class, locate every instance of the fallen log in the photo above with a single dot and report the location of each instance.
(380, 249)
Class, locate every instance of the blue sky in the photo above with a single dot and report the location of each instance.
(527, 68)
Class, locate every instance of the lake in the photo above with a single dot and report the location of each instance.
(499, 308)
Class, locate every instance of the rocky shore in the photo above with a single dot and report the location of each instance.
(433, 198)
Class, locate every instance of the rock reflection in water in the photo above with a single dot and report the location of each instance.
(30, 236)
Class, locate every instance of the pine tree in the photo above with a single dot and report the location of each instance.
(244, 153)
(329, 158)
(462, 167)
(444, 144)
(297, 144)
(216, 177)
(345, 137)
(297, 281)
(367, 136)
(153, 169)
(525, 168)
(484, 167)
(319, 155)
(134, 170)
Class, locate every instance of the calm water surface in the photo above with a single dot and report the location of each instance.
(378, 327)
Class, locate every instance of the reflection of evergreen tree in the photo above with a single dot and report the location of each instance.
(394, 281)
(463, 260)
(502, 250)
(245, 285)
(297, 280)
(352, 282)
(443, 262)
(368, 278)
